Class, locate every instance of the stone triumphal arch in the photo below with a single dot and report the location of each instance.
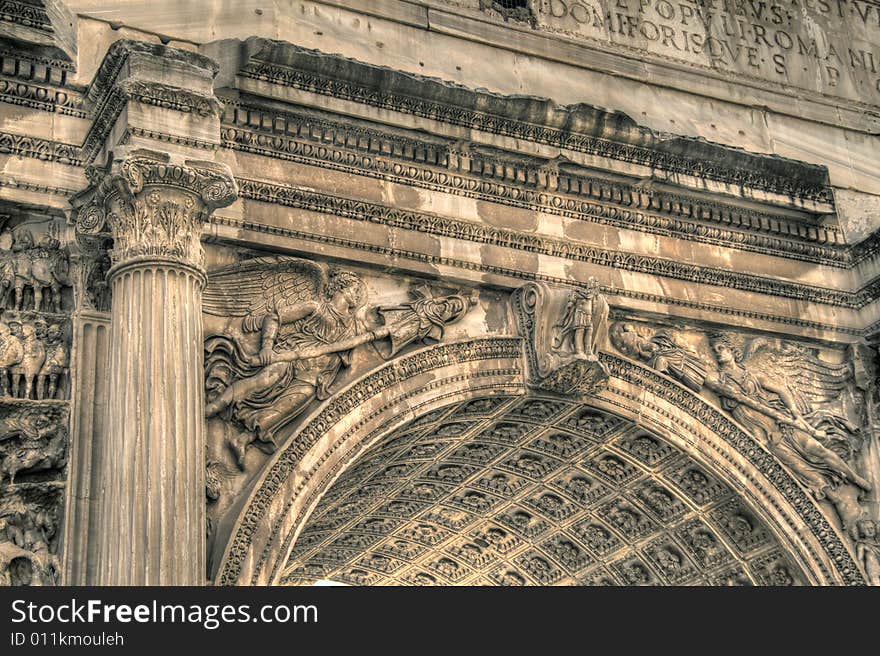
(438, 292)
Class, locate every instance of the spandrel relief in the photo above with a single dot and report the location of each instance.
(799, 402)
(283, 334)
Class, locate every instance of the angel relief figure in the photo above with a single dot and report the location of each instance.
(784, 396)
(279, 330)
(773, 395)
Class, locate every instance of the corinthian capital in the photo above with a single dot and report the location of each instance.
(153, 207)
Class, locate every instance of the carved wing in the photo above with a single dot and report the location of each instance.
(817, 380)
(256, 285)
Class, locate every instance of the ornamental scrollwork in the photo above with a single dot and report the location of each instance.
(564, 330)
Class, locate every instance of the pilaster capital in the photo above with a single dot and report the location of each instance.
(153, 207)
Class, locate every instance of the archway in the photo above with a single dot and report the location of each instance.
(765, 527)
(538, 491)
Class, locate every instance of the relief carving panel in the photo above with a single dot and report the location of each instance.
(799, 402)
(282, 334)
(35, 332)
(564, 331)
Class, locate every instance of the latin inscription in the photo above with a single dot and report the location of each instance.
(827, 46)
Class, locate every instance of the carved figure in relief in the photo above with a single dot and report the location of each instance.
(294, 326)
(55, 365)
(39, 454)
(11, 353)
(41, 266)
(661, 352)
(868, 549)
(782, 419)
(7, 270)
(31, 440)
(564, 329)
(25, 538)
(582, 328)
(16, 330)
(34, 354)
(267, 392)
(782, 395)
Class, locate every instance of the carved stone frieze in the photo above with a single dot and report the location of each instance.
(28, 14)
(33, 449)
(42, 149)
(153, 207)
(565, 248)
(34, 268)
(35, 338)
(34, 359)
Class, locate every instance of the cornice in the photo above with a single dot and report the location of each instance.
(433, 224)
(453, 168)
(26, 14)
(538, 188)
(42, 97)
(392, 253)
(120, 51)
(38, 59)
(108, 97)
(580, 128)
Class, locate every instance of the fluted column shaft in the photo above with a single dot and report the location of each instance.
(152, 526)
(155, 479)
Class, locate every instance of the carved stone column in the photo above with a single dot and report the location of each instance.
(152, 525)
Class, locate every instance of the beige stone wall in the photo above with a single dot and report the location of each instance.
(453, 145)
(797, 115)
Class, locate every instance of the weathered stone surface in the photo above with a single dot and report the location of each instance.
(439, 292)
